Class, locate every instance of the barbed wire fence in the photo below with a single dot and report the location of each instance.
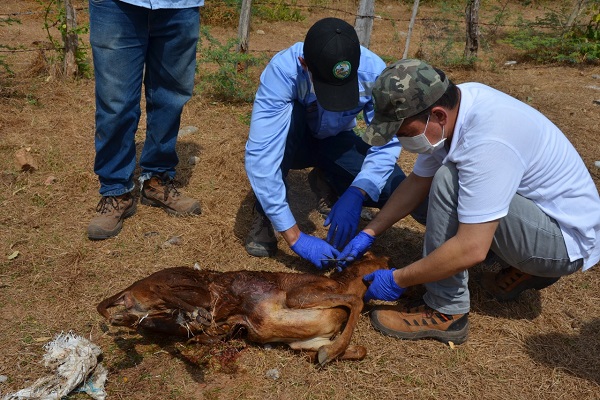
(448, 20)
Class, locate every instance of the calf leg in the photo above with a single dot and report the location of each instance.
(314, 298)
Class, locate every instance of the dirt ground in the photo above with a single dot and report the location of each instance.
(545, 345)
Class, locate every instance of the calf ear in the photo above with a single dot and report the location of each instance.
(116, 300)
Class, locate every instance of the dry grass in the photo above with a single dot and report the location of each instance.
(543, 346)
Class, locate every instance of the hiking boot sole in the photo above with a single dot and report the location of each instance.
(196, 210)
(101, 234)
(455, 336)
(261, 250)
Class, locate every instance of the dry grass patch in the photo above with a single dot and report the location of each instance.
(543, 346)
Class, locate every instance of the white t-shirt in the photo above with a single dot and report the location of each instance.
(502, 146)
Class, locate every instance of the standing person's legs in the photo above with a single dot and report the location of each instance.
(169, 84)
(118, 37)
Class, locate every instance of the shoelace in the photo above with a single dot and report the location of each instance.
(413, 307)
(170, 187)
(107, 203)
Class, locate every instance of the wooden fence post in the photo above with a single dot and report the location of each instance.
(410, 27)
(70, 41)
(244, 26)
(472, 25)
(363, 23)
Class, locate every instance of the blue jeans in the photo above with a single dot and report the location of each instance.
(339, 157)
(526, 238)
(133, 45)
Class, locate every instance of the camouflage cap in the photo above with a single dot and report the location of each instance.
(404, 88)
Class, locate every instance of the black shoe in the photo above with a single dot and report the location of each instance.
(261, 240)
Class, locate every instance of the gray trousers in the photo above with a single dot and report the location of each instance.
(526, 238)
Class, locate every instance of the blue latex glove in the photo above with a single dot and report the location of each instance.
(356, 248)
(383, 286)
(344, 216)
(315, 250)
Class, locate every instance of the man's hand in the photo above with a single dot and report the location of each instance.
(356, 248)
(315, 250)
(383, 286)
(344, 216)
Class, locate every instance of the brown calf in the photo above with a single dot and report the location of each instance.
(309, 312)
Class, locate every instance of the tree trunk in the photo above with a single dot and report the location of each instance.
(70, 41)
(578, 7)
(472, 23)
(244, 26)
(363, 24)
(410, 27)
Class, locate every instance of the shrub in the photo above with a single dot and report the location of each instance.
(550, 40)
(225, 73)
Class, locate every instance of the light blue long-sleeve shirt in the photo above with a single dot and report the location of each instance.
(282, 83)
(156, 4)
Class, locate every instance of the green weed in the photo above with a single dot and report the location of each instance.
(231, 80)
(55, 16)
(549, 40)
(3, 64)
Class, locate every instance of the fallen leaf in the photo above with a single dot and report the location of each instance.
(25, 161)
(14, 255)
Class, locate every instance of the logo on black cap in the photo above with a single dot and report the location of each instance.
(342, 69)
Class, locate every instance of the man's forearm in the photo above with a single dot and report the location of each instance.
(464, 250)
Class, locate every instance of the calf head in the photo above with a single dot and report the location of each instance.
(174, 301)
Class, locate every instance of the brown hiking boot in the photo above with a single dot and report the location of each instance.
(420, 321)
(261, 240)
(510, 282)
(160, 191)
(111, 211)
(326, 196)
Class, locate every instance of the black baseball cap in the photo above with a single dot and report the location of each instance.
(332, 54)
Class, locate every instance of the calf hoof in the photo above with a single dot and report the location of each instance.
(355, 353)
(323, 356)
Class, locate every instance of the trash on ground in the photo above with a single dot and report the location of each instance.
(75, 368)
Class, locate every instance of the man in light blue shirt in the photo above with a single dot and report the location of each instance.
(304, 113)
(133, 42)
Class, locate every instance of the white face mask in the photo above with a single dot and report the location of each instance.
(420, 144)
